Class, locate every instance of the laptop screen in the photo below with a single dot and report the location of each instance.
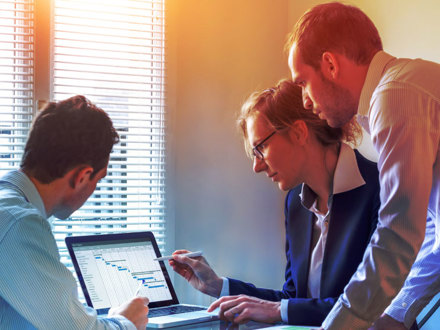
(112, 268)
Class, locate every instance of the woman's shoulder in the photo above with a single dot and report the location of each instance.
(368, 169)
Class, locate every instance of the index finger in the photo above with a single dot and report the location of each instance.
(216, 304)
(144, 299)
(180, 252)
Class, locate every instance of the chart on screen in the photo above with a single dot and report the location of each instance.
(115, 273)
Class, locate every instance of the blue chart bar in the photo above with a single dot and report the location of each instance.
(146, 281)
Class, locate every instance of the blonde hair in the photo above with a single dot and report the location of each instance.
(282, 105)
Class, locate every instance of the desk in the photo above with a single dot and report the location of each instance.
(221, 325)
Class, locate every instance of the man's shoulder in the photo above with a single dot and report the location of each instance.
(13, 200)
(14, 208)
(414, 74)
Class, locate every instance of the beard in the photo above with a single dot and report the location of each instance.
(338, 105)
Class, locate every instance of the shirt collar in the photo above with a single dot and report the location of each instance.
(346, 177)
(28, 189)
(374, 75)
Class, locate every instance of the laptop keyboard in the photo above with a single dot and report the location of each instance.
(174, 310)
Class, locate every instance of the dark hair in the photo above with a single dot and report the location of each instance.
(338, 28)
(67, 134)
(283, 105)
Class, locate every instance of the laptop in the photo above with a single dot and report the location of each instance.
(112, 268)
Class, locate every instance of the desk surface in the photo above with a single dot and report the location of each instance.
(221, 325)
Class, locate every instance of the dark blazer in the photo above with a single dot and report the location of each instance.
(353, 220)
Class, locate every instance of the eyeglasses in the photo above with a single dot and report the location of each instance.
(257, 149)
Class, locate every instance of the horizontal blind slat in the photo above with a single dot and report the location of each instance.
(117, 62)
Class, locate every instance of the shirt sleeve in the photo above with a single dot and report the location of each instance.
(284, 310)
(422, 283)
(400, 125)
(284, 302)
(225, 287)
(38, 286)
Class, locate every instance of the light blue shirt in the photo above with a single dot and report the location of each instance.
(400, 107)
(36, 289)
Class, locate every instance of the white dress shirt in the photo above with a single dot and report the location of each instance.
(400, 107)
(320, 231)
(346, 177)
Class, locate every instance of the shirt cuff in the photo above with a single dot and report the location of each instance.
(405, 309)
(340, 317)
(284, 310)
(225, 288)
(122, 322)
(397, 310)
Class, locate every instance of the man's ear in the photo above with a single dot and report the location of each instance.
(299, 132)
(329, 65)
(79, 175)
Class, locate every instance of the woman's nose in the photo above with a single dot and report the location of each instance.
(259, 165)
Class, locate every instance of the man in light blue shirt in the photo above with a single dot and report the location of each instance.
(67, 153)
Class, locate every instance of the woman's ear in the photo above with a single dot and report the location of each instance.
(329, 65)
(299, 132)
(80, 175)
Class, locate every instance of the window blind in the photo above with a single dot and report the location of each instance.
(16, 79)
(112, 52)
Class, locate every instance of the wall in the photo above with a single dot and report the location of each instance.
(220, 52)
